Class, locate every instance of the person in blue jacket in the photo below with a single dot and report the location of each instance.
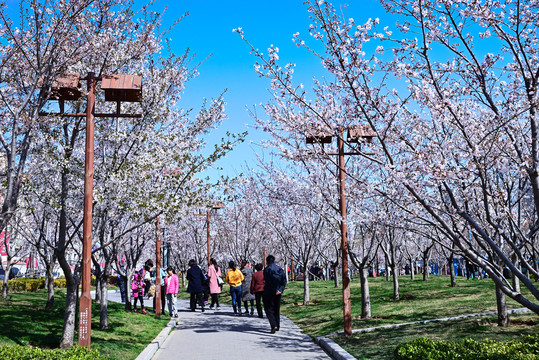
(275, 282)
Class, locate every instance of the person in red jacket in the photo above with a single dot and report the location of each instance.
(257, 288)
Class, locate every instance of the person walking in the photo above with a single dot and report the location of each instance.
(257, 288)
(246, 295)
(137, 286)
(234, 277)
(147, 278)
(274, 284)
(196, 277)
(122, 280)
(173, 286)
(214, 276)
(162, 275)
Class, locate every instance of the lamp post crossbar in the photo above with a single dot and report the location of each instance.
(97, 115)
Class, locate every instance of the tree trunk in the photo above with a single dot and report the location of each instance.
(503, 316)
(50, 286)
(516, 281)
(335, 276)
(103, 310)
(452, 271)
(425, 266)
(306, 288)
(68, 333)
(386, 257)
(395, 270)
(365, 293)
(4, 288)
(128, 291)
(396, 295)
(535, 266)
(412, 270)
(72, 277)
(5, 283)
(98, 286)
(377, 271)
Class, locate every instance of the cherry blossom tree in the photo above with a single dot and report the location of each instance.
(144, 167)
(455, 123)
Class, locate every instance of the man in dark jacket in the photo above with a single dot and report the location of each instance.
(275, 282)
(195, 288)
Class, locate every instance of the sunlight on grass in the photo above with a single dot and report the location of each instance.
(420, 300)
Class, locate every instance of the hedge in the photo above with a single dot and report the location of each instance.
(525, 348)
(32, 284)
(9, 352)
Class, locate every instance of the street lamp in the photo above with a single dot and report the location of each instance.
(166, 249)
(216, 206)
(161, 261)
(355, 134)
(118, 88)
(157, 269)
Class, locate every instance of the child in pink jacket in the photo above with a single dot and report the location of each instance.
(172, 291)
(138, 291)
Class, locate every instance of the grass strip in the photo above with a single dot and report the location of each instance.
(26, 322)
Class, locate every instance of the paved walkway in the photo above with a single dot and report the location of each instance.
(221, 335)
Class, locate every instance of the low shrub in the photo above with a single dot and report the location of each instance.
(33, 284)
(27, 284)
(12, 352)
(60, 283)
(525, 348)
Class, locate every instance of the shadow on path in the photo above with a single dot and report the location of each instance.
(221, 335)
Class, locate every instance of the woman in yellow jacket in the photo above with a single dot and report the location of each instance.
(234, 277)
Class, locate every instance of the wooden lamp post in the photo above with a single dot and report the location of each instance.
(355, 134)
(117, 88)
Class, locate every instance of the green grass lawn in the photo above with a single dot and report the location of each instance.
(420, 300)
(25, 321)
(381, 343)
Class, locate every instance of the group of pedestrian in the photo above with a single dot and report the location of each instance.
(145, 281)
(265, 286)
(262, 287)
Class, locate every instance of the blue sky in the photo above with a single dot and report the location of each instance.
(208, 30)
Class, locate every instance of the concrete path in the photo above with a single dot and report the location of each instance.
(221, 335)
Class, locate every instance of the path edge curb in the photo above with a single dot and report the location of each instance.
(152, 348)
(333, 349)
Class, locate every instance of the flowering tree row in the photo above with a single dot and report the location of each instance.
(450, 91)
(144, 167)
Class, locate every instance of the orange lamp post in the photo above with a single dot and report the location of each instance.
(355, 133)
